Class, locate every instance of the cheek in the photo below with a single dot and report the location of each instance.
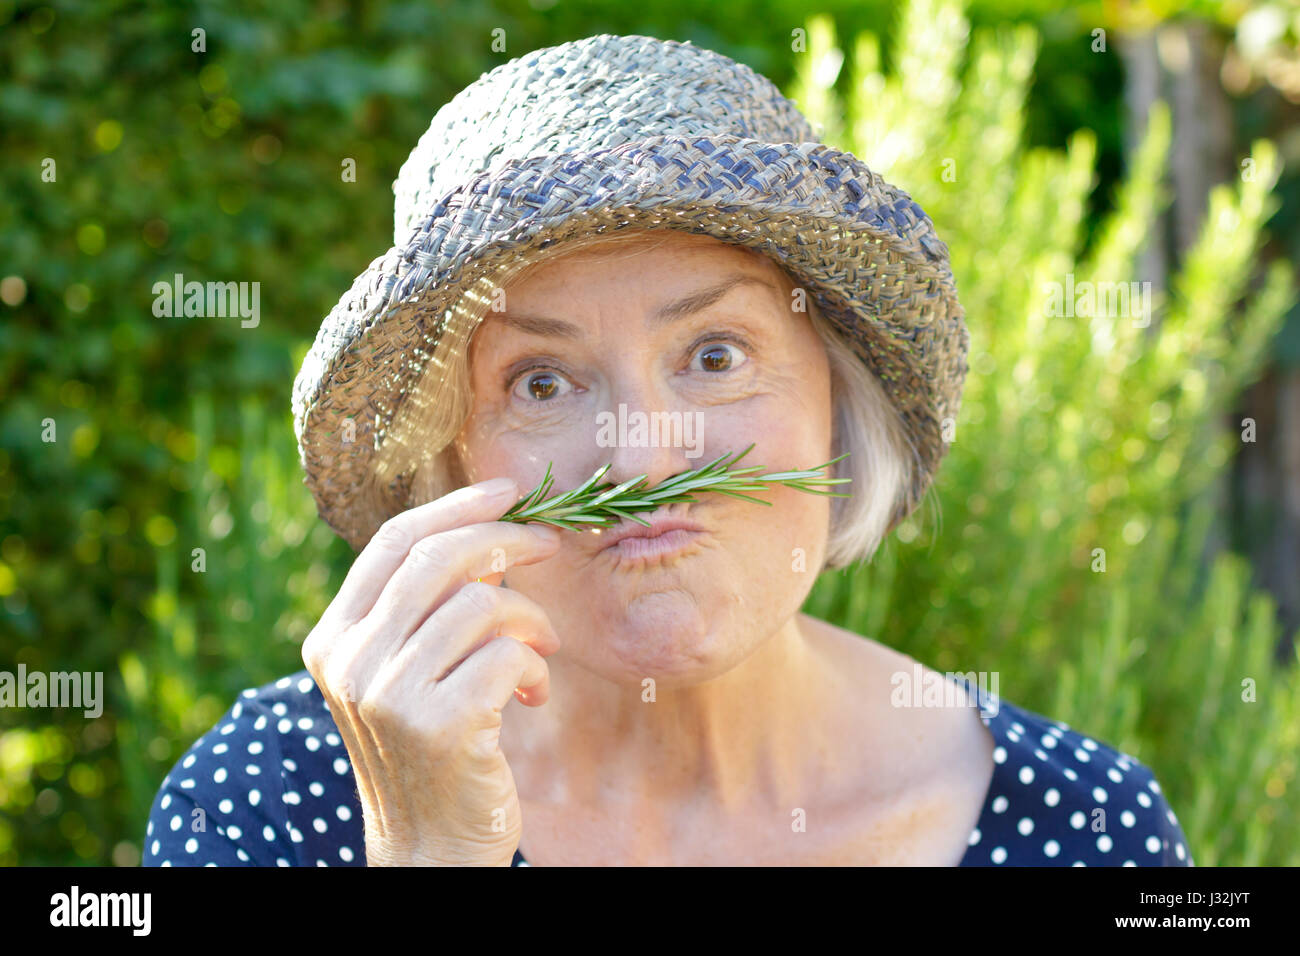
(487, 450)
(785, 539)
(499, 438)
(796, 394)
(492, 448)
(787, 418)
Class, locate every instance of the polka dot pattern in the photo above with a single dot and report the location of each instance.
(273, 791)
(275, 787)
(1060, 798)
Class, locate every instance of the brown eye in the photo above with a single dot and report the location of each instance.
(720, 357)
(540, 387)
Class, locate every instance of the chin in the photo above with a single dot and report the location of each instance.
(664, 635)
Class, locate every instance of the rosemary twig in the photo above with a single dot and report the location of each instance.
(600, 506)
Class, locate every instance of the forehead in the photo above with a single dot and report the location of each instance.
(672, 274)
(643, 250)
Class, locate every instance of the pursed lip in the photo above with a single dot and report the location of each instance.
(658, 525)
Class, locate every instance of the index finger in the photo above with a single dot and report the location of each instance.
(387, 549)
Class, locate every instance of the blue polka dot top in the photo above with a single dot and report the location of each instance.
(271, 785)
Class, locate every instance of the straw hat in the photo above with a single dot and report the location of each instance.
(599, 134)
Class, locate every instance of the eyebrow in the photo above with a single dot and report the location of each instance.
(687, 305)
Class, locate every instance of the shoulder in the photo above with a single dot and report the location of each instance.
(268, 785)
(1060, 797)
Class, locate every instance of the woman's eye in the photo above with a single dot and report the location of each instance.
(719, 357)
(541, 386)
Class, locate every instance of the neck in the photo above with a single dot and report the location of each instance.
(757, 736)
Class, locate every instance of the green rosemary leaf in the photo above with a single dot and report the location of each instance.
(630, 517)
(554, 522)
(606, 504)
(736, 494)
(617, 490)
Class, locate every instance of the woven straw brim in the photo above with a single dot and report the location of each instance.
(863, 249)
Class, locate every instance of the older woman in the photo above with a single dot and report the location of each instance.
(627, 223)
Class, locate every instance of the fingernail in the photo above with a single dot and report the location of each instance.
(497, 487)
(547, 533)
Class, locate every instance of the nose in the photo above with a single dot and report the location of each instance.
(657, 464)
(646, 431)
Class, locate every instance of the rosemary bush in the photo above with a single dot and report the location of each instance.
(1079, 439)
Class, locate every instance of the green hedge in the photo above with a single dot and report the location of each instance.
(1083, 438)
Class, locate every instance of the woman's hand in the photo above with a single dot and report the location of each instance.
(413, 659)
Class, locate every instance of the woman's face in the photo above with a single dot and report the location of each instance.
(708, 333)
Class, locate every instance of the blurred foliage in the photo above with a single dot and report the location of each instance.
(1074, 501)
(174, 434)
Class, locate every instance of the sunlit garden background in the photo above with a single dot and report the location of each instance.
(1115, 530)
